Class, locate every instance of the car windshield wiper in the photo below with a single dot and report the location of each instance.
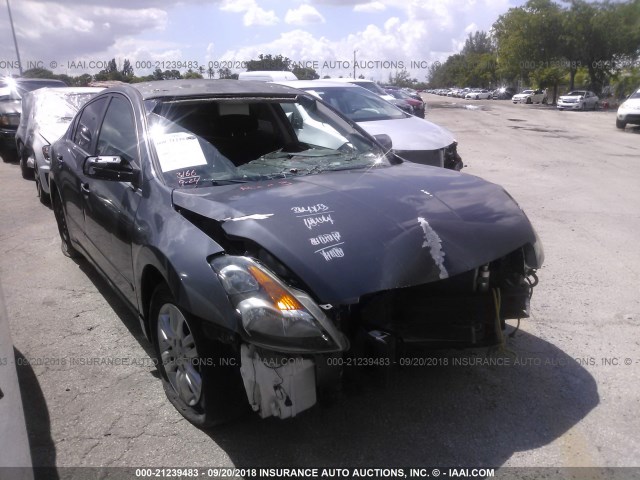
(312, 152)
(216, 182)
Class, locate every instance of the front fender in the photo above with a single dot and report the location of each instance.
(178, 251)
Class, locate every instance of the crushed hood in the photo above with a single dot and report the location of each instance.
(349, 233)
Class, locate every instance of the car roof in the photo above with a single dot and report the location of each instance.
(205, 87)
(352, 80)
(304, 84)
(64, 91)
(48, 81)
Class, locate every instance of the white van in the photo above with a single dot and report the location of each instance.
(267, 76)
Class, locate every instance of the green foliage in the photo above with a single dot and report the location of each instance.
(542, 42)
(191, 74)
(304, 73)
(478, 43)
(269, 62)
(127, 69)
(225, 73)
(475, 65)
(402, 78)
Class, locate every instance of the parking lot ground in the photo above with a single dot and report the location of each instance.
(567, 393)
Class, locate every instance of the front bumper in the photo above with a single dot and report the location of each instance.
(446, 157)
(569, 106)
(8, 139)
(629, 117)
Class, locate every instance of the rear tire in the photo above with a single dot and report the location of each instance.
(529, 101)
(44, 197)
(194, 379)
(65, 239)
(27, 173)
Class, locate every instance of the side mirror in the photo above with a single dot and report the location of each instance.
(112, 168)
(308, 102)
(296, 121)
(385, 141)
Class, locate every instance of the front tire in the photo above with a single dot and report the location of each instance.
(620, 124)
(195, 381)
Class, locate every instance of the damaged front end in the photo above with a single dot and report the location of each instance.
(284, 331)
(292, 347)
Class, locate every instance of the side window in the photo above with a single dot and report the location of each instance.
(87, 126)
(118, 133)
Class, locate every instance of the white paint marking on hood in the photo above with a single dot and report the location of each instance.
(255, 216)
(433, 241)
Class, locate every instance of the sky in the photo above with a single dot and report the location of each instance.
(80, 36)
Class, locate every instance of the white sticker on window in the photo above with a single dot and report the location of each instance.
(178, 150)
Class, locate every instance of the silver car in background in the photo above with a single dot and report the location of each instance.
(413, 139)
(46, 115)
(578, 100)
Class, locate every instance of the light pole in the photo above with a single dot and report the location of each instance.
(354, 61)
(15, 41)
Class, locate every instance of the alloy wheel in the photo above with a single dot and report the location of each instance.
(178, 353)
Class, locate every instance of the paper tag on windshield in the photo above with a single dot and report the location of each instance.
(178, 150)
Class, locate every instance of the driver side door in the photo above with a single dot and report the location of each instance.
(110, 205)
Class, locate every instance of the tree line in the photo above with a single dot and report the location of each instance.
(594, 45)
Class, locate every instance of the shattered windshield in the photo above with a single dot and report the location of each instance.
(209, 142)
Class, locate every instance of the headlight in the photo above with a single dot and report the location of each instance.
(274, 315)
(9, 120)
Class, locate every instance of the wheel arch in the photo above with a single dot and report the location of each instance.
(150, 279)
(196, 292)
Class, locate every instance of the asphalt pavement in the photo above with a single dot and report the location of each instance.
(567, 396)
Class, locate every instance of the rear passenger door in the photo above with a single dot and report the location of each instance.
(71, 156)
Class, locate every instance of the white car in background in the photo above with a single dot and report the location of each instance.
(46, 115)
(413, 139)
(629, 111)
(578, 100)
(369, 85)
(478, 94)
(529, 96)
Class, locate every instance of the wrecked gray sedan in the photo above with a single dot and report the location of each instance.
(266, 243)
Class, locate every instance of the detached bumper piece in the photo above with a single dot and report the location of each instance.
(277, 385)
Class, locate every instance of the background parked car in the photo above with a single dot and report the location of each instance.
(629, 111)
(368, 84)
(46, 114)
(529, 96)
(413, 139)
(478, 94)
(578, 100)
(11, 92)
(503, 93)
(418, 106)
